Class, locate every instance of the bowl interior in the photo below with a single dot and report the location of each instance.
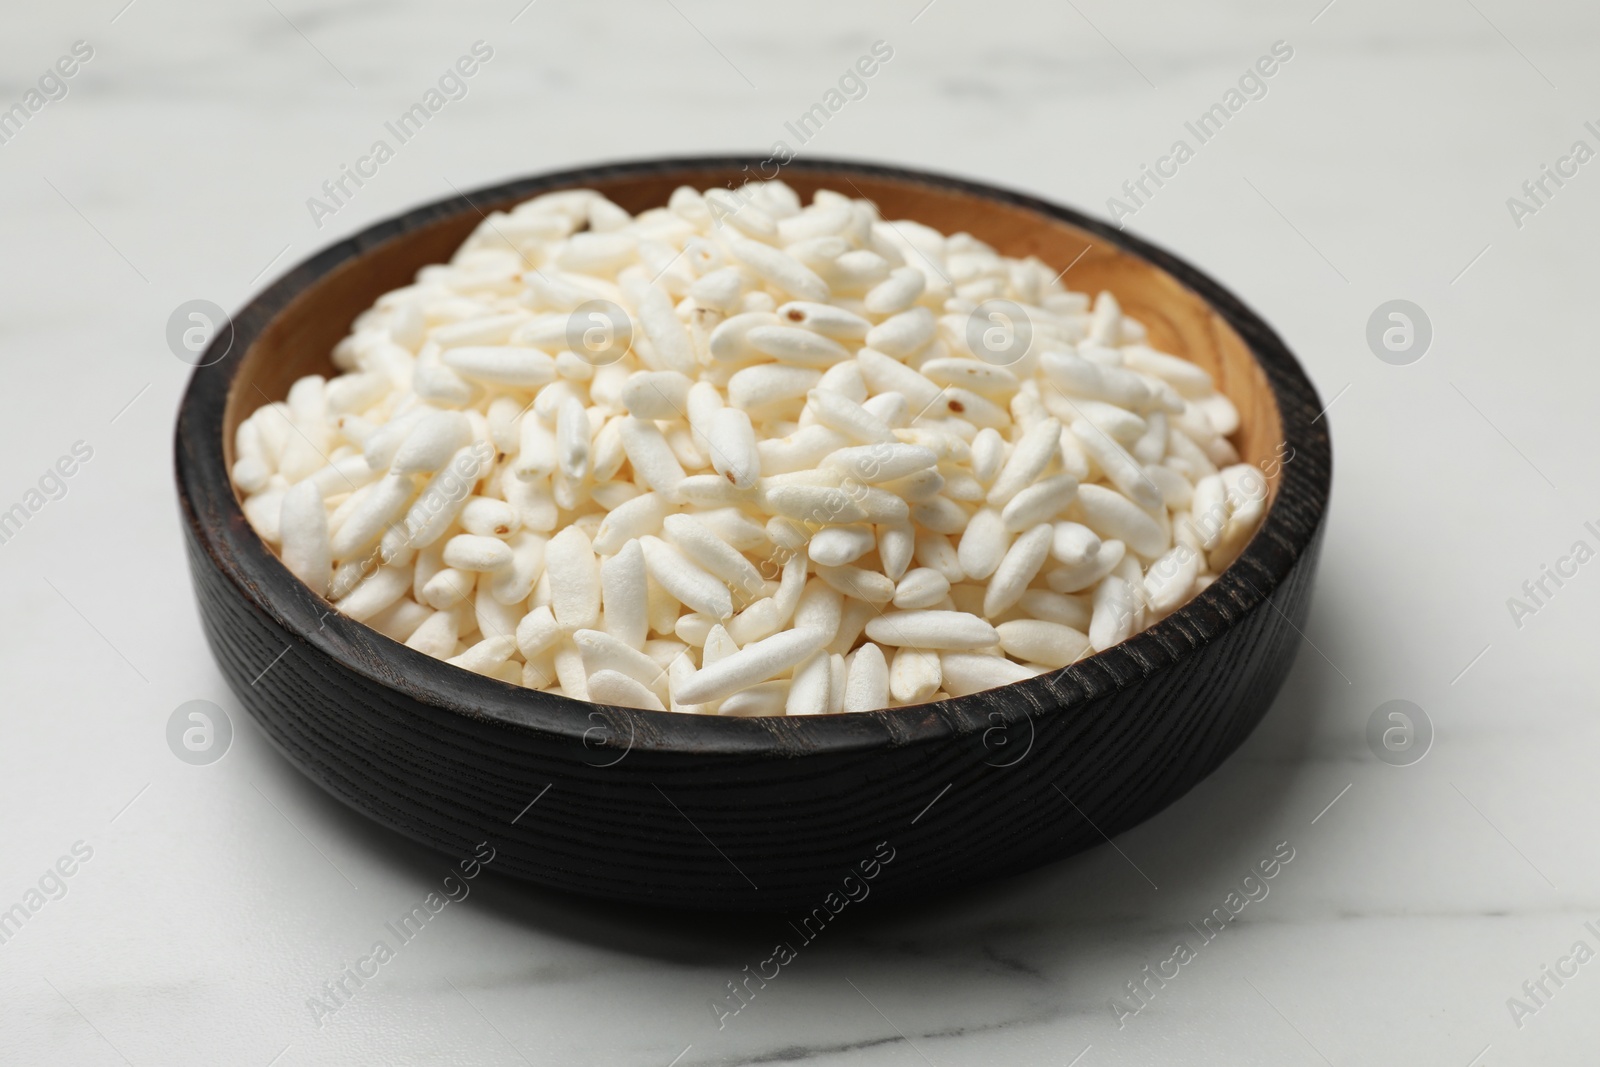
(300, 339)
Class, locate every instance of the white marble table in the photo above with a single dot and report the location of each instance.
(216, 900)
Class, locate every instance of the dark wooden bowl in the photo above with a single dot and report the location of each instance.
(770, 813)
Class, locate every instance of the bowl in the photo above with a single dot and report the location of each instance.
(763, 814)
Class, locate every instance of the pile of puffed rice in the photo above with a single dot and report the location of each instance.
(740, 456)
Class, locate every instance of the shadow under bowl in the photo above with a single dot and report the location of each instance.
(761, 814)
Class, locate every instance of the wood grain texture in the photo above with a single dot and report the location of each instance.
(757, 814)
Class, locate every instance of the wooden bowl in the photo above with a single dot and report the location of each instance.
(769, 813)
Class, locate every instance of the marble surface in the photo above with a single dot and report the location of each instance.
(217, 900)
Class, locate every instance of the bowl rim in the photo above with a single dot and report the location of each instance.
(1287, 530)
